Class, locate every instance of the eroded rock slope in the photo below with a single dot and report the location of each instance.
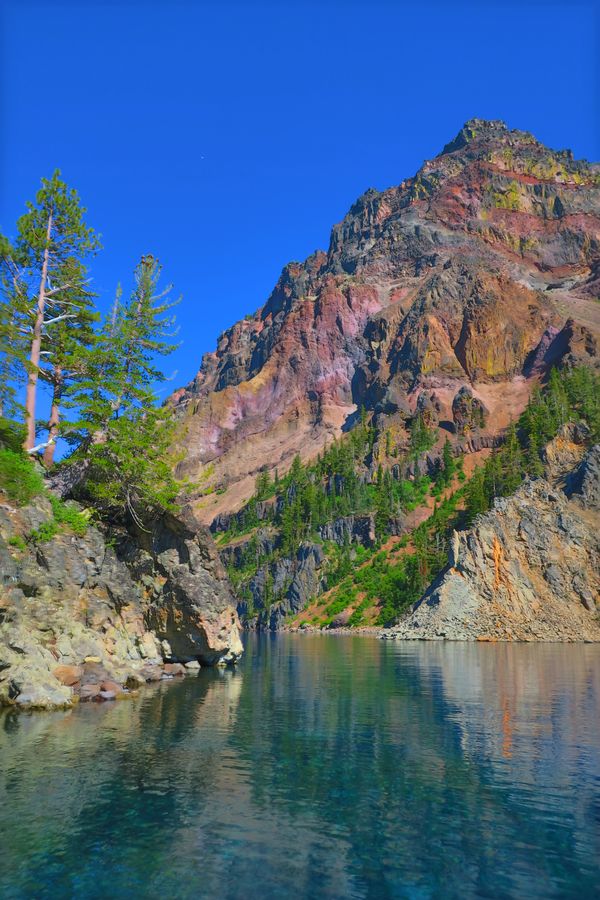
(482, 270)
(528, 570)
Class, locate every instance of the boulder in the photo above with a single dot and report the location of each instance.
(68, 675)
(174, 669)
(468, 412)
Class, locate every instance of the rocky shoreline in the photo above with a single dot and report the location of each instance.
(95, 616)
(371, 630)
(528, 570)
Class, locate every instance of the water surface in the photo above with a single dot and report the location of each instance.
(326, 766)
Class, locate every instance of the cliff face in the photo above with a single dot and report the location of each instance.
(529, 569)
(90, 618)
(480, 270)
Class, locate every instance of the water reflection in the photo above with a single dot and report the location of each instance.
(324, 767)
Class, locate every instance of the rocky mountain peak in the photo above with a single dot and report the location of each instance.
(480, 269)
(476, 130)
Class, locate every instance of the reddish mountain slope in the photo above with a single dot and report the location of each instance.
(483, 269)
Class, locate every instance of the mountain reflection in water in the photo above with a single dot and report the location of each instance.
(326, 766)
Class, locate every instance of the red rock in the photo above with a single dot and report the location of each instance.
(89, 691)
(112, 687)
(103, 696)
(68, 675)
(151, 673)
(174, 669)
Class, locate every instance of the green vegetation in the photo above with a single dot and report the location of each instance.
(45, 532)
(19, 480)
(337, 484)
(102, 376)
(67, 515)
(568, 396)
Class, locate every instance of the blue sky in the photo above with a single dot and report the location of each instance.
(227, 138)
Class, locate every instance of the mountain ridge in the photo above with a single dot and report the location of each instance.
(477, 271)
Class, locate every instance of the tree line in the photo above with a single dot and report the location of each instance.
(569, 396)
(338, 483)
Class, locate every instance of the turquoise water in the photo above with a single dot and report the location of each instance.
(326, 766)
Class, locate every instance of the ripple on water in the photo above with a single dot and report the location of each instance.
(324, 767)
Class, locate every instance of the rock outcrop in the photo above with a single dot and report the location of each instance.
(468, 412)
(479, 271)
(91, 618)
(283, 587)
(528, 570)
(350, 530)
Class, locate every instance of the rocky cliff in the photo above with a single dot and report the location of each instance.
(480, 271)
(529, 570)
(93, 616)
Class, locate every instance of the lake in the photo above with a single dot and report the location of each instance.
(325, 766)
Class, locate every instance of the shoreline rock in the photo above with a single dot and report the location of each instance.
(81, 619)
(528, 569)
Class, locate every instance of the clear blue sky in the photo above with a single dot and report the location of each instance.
(227, 138)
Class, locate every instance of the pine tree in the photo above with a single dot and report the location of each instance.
(476, 500)
(128, 439)
(72, 340)
(263, 484)
(448, 462)
(52, 246)
(123, 372)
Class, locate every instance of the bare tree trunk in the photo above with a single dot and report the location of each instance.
(36, 346)
(54, 419)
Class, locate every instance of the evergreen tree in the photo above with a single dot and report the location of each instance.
(73, 339)
(263, 485)
(52, 247)
(421, 438)
(476, 500)
(129, 440)
(448, 462)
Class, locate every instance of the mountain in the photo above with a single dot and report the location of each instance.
(478, 273)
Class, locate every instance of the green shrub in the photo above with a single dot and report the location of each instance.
(357, 616)
(17, 542)
(12, 435)
(44, 533)
(69, 516)
(18, 478)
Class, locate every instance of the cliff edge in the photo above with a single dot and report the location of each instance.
(93, 616)
(528, 570)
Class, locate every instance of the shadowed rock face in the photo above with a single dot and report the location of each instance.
(529, 569)
(480, 269)
(81, 618)
(188, 600)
